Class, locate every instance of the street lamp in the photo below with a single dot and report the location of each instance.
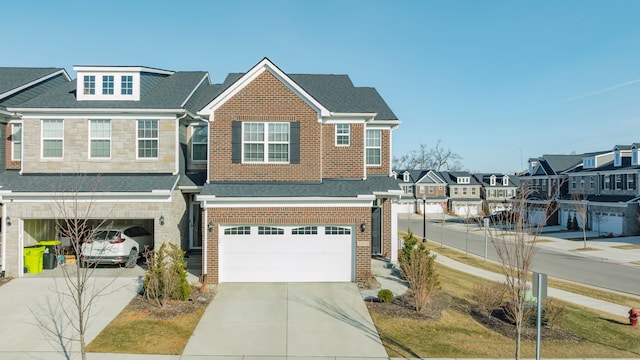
(424, 219)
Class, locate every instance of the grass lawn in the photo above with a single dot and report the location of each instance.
(138, 331)
(457, 334)
(478, 262)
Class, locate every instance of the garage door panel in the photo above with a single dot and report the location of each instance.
(286, 258)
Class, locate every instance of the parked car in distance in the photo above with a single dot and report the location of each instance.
(501, 216)
(116, 245)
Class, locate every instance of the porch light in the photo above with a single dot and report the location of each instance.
(363, 226)
(8, 221)
(210, 226)
(161, 220)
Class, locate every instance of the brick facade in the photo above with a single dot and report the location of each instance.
(348, 216)
(265, 99)
(343, 161)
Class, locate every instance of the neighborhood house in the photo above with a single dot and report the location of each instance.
(274, 176)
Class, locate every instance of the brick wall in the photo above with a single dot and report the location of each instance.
(352, 216)
(343, 161)
(265, 99)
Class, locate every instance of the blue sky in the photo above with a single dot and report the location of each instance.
(498, 82)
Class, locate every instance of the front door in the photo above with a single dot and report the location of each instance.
(376, 239)
(196, 226)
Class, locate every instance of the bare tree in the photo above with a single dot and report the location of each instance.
(581, 209)
(77, 296)
(515, 246)
(437, 158)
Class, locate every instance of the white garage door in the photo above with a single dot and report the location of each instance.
(609, 223)
(537, 217)
(434, 208)
(286, 254)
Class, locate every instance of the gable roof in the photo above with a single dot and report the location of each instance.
(327, 93)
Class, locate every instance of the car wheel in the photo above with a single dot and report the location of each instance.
(133, 259)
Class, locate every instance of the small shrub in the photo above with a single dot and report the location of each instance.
(553, 310)
(575, 225)
(166, 276)
(418, 268)
(489, 295)
(385, 296)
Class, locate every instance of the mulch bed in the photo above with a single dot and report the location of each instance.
(171, 309)
(402, 307)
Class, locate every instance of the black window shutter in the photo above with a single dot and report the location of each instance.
(294, 133)
(236, 142)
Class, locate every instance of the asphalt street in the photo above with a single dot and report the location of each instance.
(589, 270)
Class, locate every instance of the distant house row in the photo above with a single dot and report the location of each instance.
(602, 185)
(456, 192)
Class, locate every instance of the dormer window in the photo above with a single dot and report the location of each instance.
(405, 177)
(107, 85)
(114, 82)
(588, 163)
(126, 85)
(492, 180)
(617, 160)
(89, 85)
(505, 180)
(634, 155)
(463, 180)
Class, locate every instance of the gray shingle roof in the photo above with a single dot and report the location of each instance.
(327, 188)
(170, 92)
(15, 77)
(12, 180)
(335, 92)
(451, 177)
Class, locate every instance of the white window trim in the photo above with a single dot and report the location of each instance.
(367, 147)
(492, 180)
(347, 134)
(84, 88)
(14, 143)
(100, 138)
(113, 85)
(266, 142)
(42, 139)
(206, 143)
(139, 138)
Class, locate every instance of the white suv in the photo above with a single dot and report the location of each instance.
(116, 245)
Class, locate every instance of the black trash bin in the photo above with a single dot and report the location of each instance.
(50, 256)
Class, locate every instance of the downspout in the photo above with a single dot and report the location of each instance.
(3, 257)
(205, 259)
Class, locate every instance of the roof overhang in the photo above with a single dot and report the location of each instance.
(98, 197)
(88, 68)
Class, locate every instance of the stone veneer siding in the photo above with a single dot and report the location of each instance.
(76, 148)
(352, 216)
(174, 212)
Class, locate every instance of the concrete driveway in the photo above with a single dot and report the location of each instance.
(27, 301)
(286, 319)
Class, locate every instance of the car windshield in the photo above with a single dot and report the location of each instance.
(102, 235)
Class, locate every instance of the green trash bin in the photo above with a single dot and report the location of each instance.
(50, 257)
(33, 256)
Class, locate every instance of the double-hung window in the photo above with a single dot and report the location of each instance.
(147, 139)
(343, 134)
(265, 142)
(126, 85)
(107, 85)
(373, 147)
(52, 138)
(89, 85)
(16, 142)
(199, 143)
(100, 138)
